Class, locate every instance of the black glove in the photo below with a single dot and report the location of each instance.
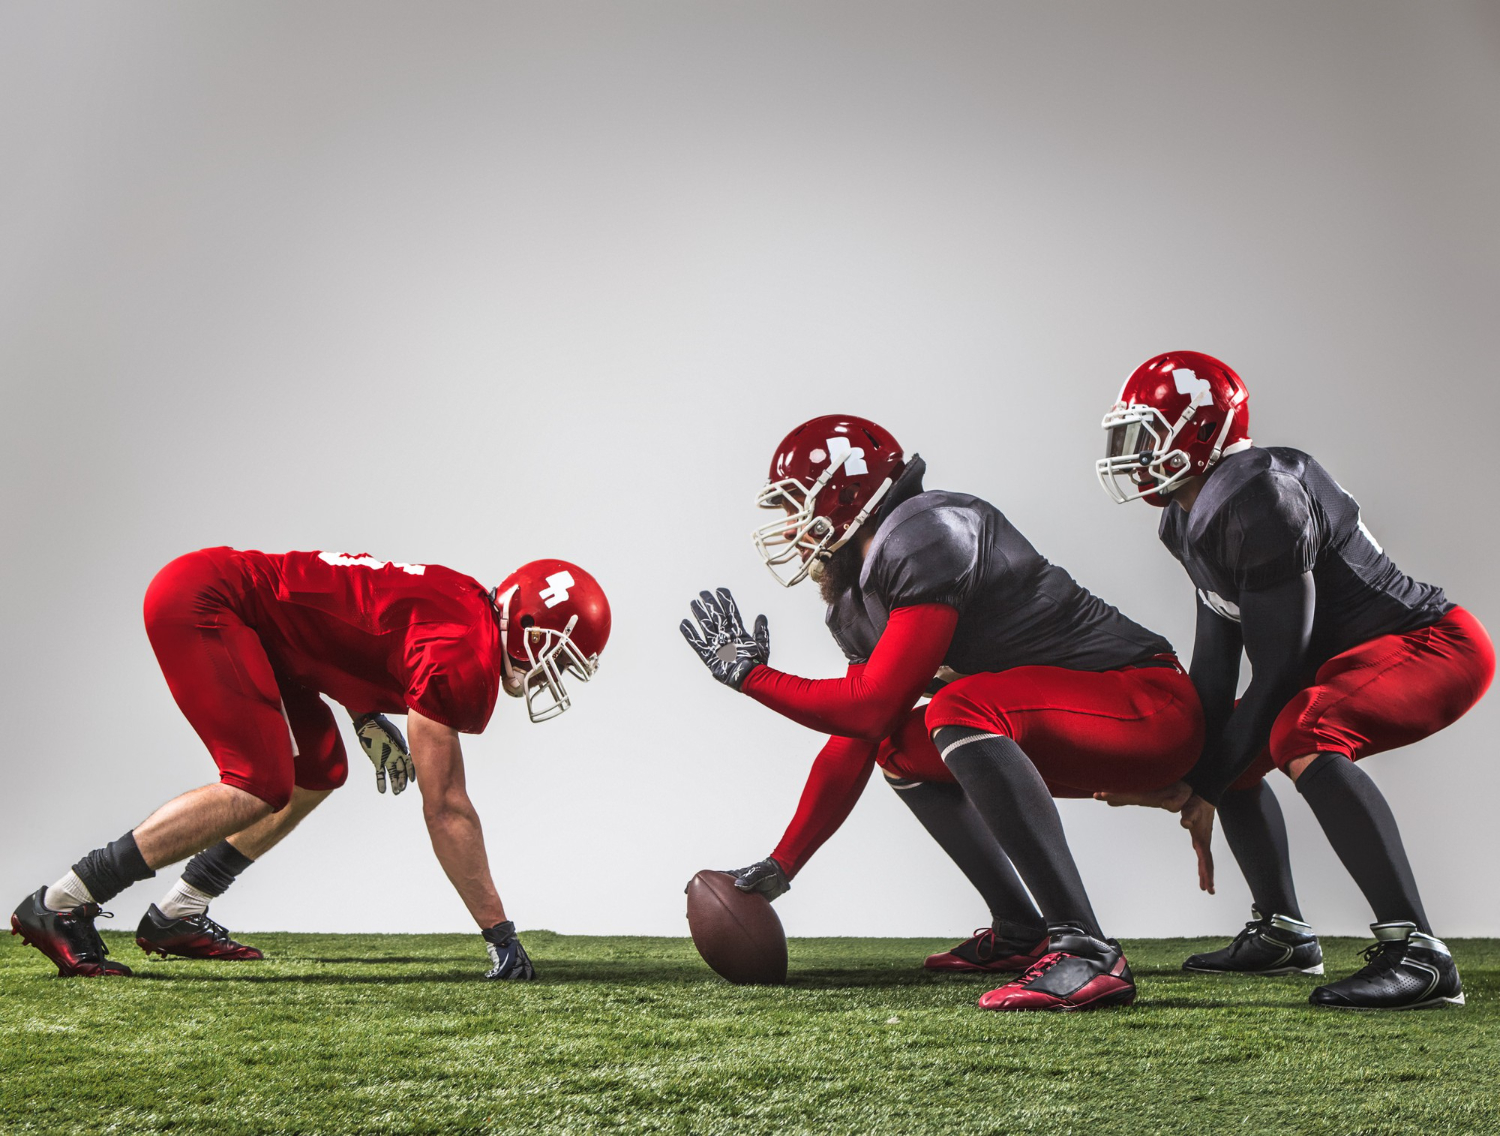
(765, 877)
(507, 954)
(720, 627)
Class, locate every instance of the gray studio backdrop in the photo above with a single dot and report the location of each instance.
(475, 283)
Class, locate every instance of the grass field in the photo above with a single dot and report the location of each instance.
(395, 1034)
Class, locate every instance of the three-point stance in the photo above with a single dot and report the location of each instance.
(1046, 690)
(1349, 656)
(247, 642)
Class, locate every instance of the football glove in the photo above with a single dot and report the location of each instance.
(765, 877)
(726, 648)
(507, 956)
(387, 751)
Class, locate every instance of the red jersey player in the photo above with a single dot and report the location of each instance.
(1049, 691)
(248, 642)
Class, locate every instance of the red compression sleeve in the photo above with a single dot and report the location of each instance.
(869, 701)
(834, 784)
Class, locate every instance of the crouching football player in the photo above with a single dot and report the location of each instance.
(1349, 656)
(248, 641)
(1051, 691)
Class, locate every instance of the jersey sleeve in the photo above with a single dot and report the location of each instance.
(446, 680)
(1269, 532)
(931, 557)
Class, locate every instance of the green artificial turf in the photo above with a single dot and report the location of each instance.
(396, 1034)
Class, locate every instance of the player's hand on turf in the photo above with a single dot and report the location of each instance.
(728, 650)
(1172, 798)
(765, 877)
(1198, 819)
(508, 958)
(386, 749)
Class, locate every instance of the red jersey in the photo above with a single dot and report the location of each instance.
(373, 635)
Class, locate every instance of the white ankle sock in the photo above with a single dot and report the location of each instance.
(67, 894)
(184, 900)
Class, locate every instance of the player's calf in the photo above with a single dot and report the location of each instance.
(1269, 945)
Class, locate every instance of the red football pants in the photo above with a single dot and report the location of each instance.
(265, 735)
(1086, 731)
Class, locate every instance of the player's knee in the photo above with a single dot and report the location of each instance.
(274, 792)
(1297, 732)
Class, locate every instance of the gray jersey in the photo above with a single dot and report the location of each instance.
(1268, 514)
(1015, 608)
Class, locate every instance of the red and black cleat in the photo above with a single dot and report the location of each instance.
(1079, 972)
(987, 951)
(194, 937)
(68, 938)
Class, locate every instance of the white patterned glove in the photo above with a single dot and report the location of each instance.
(387, 751)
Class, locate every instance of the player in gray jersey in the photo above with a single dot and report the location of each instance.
(1349, 656)
(1042, 689)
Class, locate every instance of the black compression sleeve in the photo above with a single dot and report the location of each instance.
(1276, 623)
(1215, 671)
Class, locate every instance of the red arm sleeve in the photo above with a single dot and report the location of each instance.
(834, 784)
(869, 701)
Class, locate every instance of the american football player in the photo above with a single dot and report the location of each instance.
(1348, 656)
(1044, 690)
(248, 642)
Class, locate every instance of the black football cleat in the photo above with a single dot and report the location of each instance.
(68, 937)
(986, 950)
(1269, 945)
(1404, 970)
(1078, 972)
(193, 937)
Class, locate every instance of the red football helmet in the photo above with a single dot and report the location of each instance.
(554, 619)
(828, 475)
(1176, 416)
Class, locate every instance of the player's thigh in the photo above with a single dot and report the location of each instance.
(320, 761)
(908, 754)
(1387, 693)
(1085, 731)
(221, 679)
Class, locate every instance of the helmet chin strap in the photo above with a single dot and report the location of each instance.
(513, 683)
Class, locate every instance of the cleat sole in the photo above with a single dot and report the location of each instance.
(1277, 972)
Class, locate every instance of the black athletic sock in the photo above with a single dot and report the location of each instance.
(949, 818)
(1255, 831)
(108, 871)
(1360, 826)
(1012, 799)
(214, 869)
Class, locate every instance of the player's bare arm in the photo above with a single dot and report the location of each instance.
(452, 820)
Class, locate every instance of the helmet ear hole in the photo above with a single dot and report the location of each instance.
(527, 621)
(1207, 430)
(848, 494)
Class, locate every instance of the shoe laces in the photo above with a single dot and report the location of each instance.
(82, 919)
(984, 943)
(215, 931)
(1041, 967)
(1383, 956)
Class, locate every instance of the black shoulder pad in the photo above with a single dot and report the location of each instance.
(1268, 531)
(926, 553)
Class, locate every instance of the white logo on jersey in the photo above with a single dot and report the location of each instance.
(557, 588)
(851, 457)
(1189, 383)
(365, 560)
(1219, 604)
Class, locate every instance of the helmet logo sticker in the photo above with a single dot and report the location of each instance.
(1189, 383)
(557, 588)
(852, 458)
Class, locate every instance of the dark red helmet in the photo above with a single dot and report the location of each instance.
(1176, 416)
(828, 475)
(554, 619)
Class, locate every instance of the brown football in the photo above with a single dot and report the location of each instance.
(736, 931)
